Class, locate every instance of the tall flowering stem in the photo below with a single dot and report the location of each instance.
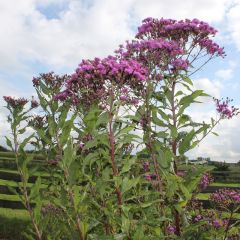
(17, 119)
(112, 148)
(107, 83)
(170, 50)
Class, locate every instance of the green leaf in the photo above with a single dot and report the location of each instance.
(183, 119)
(63, 116)
(128, 184)
(35, 189)
(102, 119)
(9, 143)
(128, 164)
(162, 134)
(164, 157)
(125, 130)
(163, 115)
(187, 80)
(157, 121)
(69, 155)
(43, 136)
(66, 130)
(189, 99)
(42, 100)
(185, 144)
(21, 131)
(26, 141)
(90, 120)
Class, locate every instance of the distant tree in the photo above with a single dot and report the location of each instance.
(221, 166)
(3, 149)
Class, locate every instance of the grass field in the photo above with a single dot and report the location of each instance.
(13, 223)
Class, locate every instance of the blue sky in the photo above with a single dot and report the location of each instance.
(54, 35)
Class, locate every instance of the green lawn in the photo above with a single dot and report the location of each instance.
(217, 184)
(203, 196)
(13, 223)
(9, 197)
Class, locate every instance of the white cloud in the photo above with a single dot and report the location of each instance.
(211, 87)
(233, 20)
(83, 30)
(226, 146)
(203, 9)
(225, 74)
(80, 32)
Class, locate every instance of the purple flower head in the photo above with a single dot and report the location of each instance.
(17, 103)
(223, 108)
(62, 96)
(216, 223)
(166, 42)
(148, 177)
(123, 98)
(151, 50)
(134, 101)
(226, 197)
(180, 64)
(34, 103)
(81, 145)
(205, 181)
(146, 166)
(211, 47)
(171, 229)
(37, 121)
(89, 82)
(50, 80)
(177, 29)
(197, 218)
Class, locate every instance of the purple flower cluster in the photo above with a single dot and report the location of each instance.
(224, 109)
(150, 177)
(180, 31)
(212, 220)
(226, 197)
(50, 209)
(18, 103)
(171, 229)
(211, 47)
(167, 27)
(125, 97)
(34, 103)
(51, 80)
(37, 121)
(165, 45)
(205, 181)
(157, 51)
(197, 218)
(90, 82)
(146, 166)
(180, 64)
(218, 223)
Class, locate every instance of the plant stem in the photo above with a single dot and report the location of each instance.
(228, 225)
(149, 138)
(112, 150)
(78, 219)
(174, 150)
(29, 208)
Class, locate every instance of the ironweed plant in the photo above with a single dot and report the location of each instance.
(113, 134)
